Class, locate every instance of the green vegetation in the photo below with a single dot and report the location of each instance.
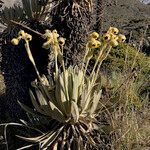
(125, 57)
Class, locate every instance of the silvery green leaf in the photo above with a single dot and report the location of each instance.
(60, 94)
(41, 99)
(35, 103)
(56, 113)
(75, 87)
(87, 96)
(74, 111)
(97, 96)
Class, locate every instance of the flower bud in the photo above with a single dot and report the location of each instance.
(15, 41)
(94, 43)
(61, 41)
(28, 37)
(94, 35)
(113, 30)
(21, 33)
(106, 37)
(121, 38)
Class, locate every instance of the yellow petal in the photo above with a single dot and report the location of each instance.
(113, 36)
(48, 34)
(46, 45)
(55, 34)
(98, 43)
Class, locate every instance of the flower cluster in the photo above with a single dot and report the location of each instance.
(21, 35)
(111, 37)
(93, 41)
(100, 50)
(52, 38)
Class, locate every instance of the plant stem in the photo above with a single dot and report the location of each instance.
(31, 58)
(99, 56)
(56, 63)
(98, 68)
(87, 50)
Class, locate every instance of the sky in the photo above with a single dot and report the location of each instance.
(146, 1)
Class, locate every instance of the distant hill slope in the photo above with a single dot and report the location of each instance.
(128, 15)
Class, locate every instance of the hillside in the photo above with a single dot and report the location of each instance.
(129, 15)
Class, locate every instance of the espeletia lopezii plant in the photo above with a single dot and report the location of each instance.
(70, 97)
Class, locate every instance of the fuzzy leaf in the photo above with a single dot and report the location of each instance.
(97, 96)
(41, 99)
(56, 113)
(35, 103)
(74, 111)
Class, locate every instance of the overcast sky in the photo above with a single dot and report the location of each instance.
(146, 1)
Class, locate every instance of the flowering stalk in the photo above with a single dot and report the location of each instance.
(31, 58)
(100, 63)
(56, 64)
(98, 58)
(26, 37)
(84, 59)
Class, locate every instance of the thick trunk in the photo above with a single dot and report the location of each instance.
(74, 20)
(99, 14)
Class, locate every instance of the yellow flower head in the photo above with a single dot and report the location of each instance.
(21, 33)
(61, 41)
(94, 35)
(113, 30)
(55, 34)
(121, 38)
(106, 37)
(15, 41)
(114, 43)
(28, 37)
(48, 34)
(93, 43)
